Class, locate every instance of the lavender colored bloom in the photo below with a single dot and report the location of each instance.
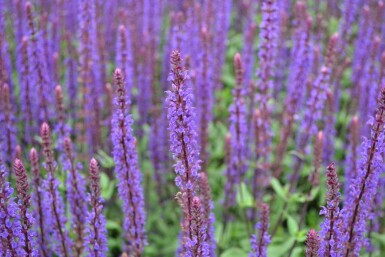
(61, 242)
(124, 58)
(361, 53)
(209, 217)
(351, 163)
(61, 127)
(369, 84)
(76, 190)
(330, 131)
(259, 243)
(317, 98)
(42, 219)
(24, 203)
(297, 79)
(183, 143)
(238, 130)
(71, 76)
(28, 106)
(205, 95)
(95, 243)
(299, 66)
(267, 53)
(222, 25)
(197, 245)
(39, 75)
(330, 233)
(89, 72)
(317, 158)
(5, 58)
(249, 33)
(312, 244)
(7, 126)
(127, 170)
(349, 13)
(11, 236)
(159, 149)
(358, 205)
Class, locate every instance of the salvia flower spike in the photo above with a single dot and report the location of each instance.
(330, 228)
(358, 205)
(60, 239)
(95, 241)
(183, 143)
(41, 217)
(76, 191)
(24, 203)
(127, 169)
(260, 242)
(312, 244)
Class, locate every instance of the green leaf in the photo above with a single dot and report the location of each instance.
(301, 235)
(105, 160)
(278, 250)
(107, 186)
(278, 189)
(292, 225)
(244, 197)
(232, 252)
(298, 198)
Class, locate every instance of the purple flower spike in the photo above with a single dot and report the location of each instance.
(183, 144)
(267, 52)
(39, 75)
(351, 163)
(358, 205)
(7, 126)
(238, 130)
(127, 170)
(41, 217)
(96, 233)
(317, 97)
(28, 106)
(317, 159)
(124, 58)
(208, 205)
(197, 244)
(61, 127)
(259, 243)
(76, 189)
(330, 227)
(24, 203)
(312, 244)
(10, 227)
(60, 239)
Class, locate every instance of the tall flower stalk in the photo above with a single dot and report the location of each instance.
(39, 75)
(11, 236)
(331, 226)
(238, 131)
(127, 170)
(208, 206)
(95, 241)
(7, 126)
(27, 95)
(260, 242)
(39, 206)
(184, 145)
(24, 204)
(357, 206)
(60, 239)
(312, 244)
(267, 53)
(76, 189)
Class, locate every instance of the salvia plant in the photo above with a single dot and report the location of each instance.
(229, 128)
